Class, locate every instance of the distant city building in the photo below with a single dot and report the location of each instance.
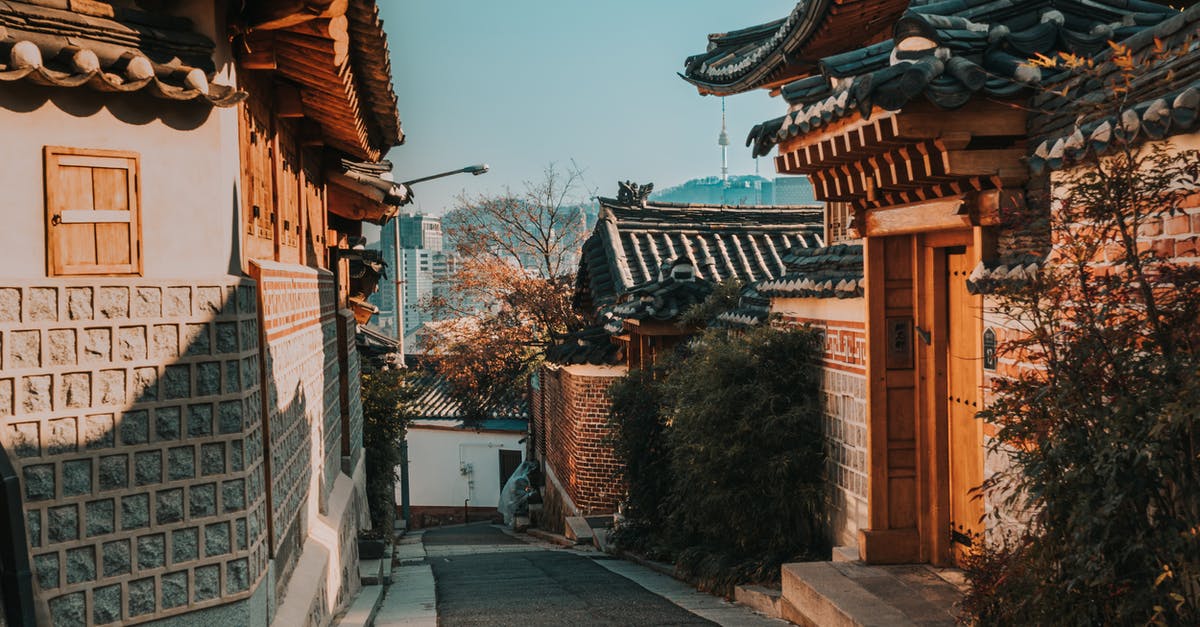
(421, 270)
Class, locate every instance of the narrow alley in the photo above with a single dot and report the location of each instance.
(483, 575)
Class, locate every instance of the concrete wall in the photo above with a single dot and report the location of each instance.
(436, 458)
(189, 167)
(844, 398)
(132, 411)
(572, 414)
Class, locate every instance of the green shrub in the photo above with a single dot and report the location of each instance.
(746, 455)
(639, 440)
(385, 396)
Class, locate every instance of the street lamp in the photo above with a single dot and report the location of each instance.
(471, 169)
(474, 170)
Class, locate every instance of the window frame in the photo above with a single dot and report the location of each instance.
(56, 204)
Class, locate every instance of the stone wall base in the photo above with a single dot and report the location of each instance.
(326, 575)
(425, 516)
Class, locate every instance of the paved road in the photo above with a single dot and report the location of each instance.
(487, 577)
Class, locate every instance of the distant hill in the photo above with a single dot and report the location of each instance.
(746, 189)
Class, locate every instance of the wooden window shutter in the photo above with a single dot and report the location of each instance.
(93, 212)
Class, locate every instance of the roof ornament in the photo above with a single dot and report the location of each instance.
(631, 194)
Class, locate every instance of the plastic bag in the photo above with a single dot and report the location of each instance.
(518, 492)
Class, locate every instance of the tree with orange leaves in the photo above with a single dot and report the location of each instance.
(510, 294)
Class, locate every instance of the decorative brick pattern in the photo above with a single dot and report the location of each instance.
(303, 417)
(131, 409)
(844, 404)
(573, 420)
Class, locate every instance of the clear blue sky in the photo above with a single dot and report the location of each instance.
(522, 83)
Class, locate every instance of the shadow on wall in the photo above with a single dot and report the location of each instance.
(131, 108)
(132, 412)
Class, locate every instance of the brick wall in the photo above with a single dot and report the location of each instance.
(573, 420)
(131, 410)
(844, 405)
(300, 346)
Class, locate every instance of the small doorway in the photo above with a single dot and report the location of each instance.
(509, 460)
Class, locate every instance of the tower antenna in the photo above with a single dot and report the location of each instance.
(723, 142)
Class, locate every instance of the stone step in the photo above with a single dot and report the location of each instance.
(378, 571)
(361, 612)
(846, 594)
(765, 601)
(816, 593)
(578, 529)
(845, 554)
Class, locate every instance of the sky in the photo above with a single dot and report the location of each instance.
(523, 84)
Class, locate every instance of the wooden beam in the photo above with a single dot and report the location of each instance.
(256, 51)
(288, 101)
(932, 215)
(286, 13)
(1003, 163)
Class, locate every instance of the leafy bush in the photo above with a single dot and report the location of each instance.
(385, 396)
(724, 456)
(747, 454)
(1104, 434)
(639, 440)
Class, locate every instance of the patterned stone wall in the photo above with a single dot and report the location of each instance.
(352, 410)
(303, 414)
(844, 404)
(575, 425)
(132, 411)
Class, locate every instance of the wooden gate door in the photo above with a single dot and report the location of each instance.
(965, 431)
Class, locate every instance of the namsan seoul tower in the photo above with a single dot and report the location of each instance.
(723, 142)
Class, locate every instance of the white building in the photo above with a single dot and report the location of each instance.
(454, 467)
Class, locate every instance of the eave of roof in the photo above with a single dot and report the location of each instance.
(338, 55)
(763, 55)
(1164, 97)
(974, 46)
(126, 52)
(630, 244)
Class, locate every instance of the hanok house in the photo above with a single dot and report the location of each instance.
(643, 266)
(911, 120)
(179, 406)
(457, 467)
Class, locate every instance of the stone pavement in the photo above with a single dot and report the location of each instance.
(483, 575)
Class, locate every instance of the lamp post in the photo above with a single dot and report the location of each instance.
(474, 170)
(471, 169)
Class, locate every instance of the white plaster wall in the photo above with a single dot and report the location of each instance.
(841, 309)
(189, 167)
(435, 455)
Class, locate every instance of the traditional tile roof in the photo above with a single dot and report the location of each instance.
(593, 345)
(1164, 92)
(630, 244)
(435, 400)
(757, 56)
(128, 51)
(949, 50)
(832, 272)
(672, 292)
(377, 178)
(337, 54)
(1010, 271)
(754, 308)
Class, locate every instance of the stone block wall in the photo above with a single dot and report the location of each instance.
(574, 424)
(844, 404)
(299, 330)
(131, 409)
(350, 390)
